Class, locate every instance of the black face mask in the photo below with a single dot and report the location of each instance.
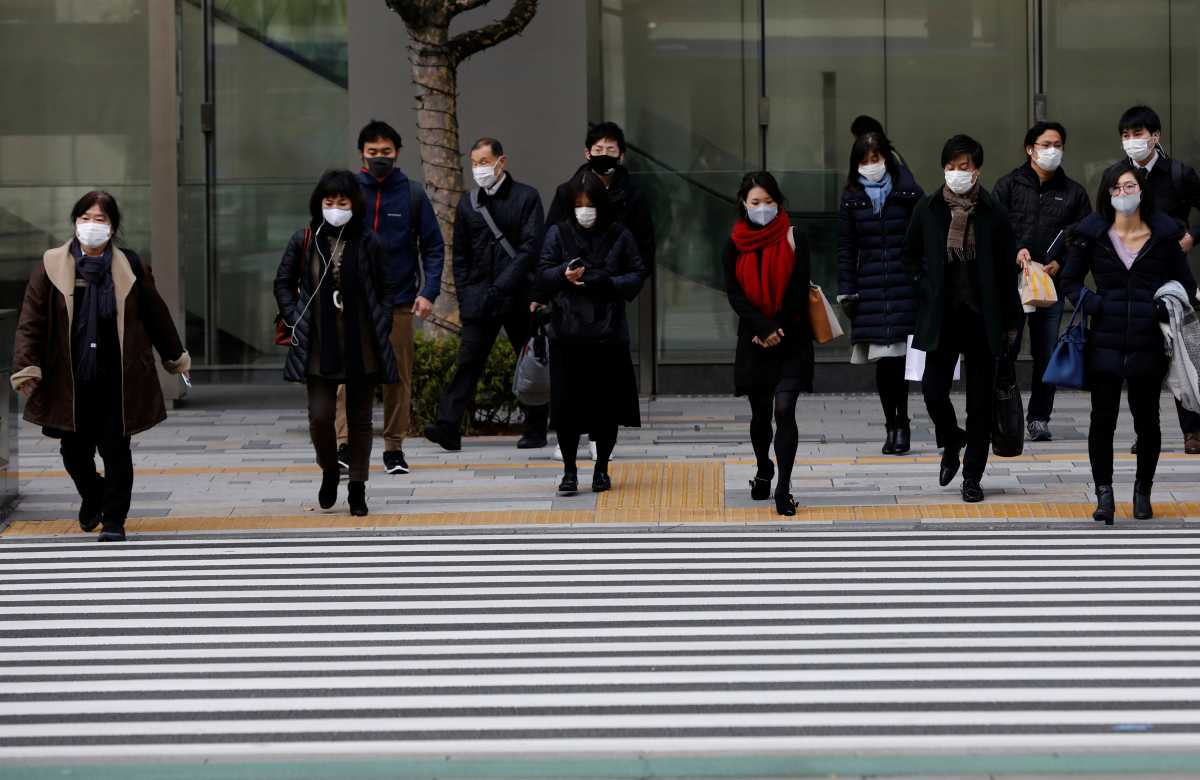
(603, 164)
(380, 166)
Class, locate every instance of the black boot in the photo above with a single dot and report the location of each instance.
(903, 439)
(327, 495)
(889, 443)
(1141, 501)
(356, 496)
(91, 506)
(1106, 507)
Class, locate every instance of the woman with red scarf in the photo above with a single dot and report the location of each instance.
(767, 280)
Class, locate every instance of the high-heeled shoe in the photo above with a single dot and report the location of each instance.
(785, 505)
(1106, 507)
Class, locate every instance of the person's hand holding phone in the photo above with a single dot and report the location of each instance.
(574, 272)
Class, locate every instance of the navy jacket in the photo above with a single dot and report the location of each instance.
(871, 262)
(1123, 333)
(406, 230)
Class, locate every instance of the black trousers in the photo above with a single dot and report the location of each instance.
(893, 391)
(104, 432)
(322, 427)
(963, 332)
(475, 344)
(1143, 393)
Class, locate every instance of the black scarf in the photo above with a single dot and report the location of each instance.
(97, 302)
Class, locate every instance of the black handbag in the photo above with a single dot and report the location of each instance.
(1008, 414)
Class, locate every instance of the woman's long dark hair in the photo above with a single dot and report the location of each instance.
(759, 179)
(864, 145)
(332, 184)
(107, 204)
(588, 183)
(1109, 180)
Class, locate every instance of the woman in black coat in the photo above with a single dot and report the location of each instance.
(1131, 250)
(329, 288)
(590, 268)
(767, 280)
(874, 289)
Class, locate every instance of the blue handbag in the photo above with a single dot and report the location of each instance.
(1066, 365)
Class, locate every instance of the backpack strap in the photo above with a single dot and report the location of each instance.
(491, 223)
(416, 193)
(1177, 175)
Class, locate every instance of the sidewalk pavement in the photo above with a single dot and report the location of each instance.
(252, 467)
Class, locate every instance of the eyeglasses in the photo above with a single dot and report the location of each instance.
(1128, 188)
(1049, 145)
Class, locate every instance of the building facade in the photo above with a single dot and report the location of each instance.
(212, 143)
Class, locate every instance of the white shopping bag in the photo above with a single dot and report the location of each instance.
(914, 364)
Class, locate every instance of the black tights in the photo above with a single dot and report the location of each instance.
(893, 391)
(781, 406)
(568, 442)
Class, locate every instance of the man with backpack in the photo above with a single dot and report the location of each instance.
(1176, 189)
(497, 233)
(402, 217)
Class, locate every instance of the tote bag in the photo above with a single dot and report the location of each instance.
(825, 325)
(1066, 367)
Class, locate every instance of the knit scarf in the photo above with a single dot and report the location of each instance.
(97, 302)
(877, 191)
(960, 241)
(764, 284)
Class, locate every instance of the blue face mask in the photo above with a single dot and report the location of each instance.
(762, 215)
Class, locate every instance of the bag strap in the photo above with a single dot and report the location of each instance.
(1177, 175)
(1083, 293)
(491, 223)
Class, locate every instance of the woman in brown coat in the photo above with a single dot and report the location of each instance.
(83, 358)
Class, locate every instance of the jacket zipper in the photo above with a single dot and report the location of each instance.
(378, 202)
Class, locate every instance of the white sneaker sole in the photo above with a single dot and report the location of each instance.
(395, 470)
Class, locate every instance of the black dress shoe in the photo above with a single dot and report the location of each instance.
(950, 463)
(1106, 507)
(356, 496)
(532, 441)
(444, 437)
(785, 505)
(889, 443)
(903, 441)
(569, 485)
(972, 493)
(91, 507)
(1141, 502)
(111, 535)
(327, 495)
(601, 482)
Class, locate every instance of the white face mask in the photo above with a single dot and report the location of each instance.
(485, 175)
(1137, 149)
(585, 216)
(1126, 204)
(874, 171)
(93, 235)
(337, 217)
(1049, 159)
(762, 215)
(960, 182)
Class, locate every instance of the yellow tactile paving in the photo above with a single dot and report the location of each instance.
(665, 485)
(648, 515)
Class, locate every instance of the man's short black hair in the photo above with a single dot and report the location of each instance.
(599, 132)
(374, 130)
(1035, 132)
(959, 145)
(864, 124)
(1140, 117)
(492, 143)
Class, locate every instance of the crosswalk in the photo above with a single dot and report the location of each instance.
(611, 642)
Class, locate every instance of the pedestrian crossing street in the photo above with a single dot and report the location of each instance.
(611, 642)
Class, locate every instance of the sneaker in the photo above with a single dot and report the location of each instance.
(394, 462)
(591, 450)
(343, 456)
(1039, 430)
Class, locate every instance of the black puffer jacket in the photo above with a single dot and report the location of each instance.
(489, 283)
(630, 205)
(1123, 334)
(294, 284)
(593, 313)
(1038, 211)
(871, 262)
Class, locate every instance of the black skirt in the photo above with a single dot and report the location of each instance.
(785, 368)
(592, 387)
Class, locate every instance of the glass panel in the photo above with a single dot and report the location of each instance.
(1101, 57)
(277, 71)
(681, 77)
(75, 76)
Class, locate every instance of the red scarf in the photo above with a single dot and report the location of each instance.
(765, 285)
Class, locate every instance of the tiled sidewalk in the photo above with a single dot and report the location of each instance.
(253, 468)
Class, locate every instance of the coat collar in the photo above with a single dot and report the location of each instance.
(60, 269)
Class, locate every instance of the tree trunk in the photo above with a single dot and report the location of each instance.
(435, 78)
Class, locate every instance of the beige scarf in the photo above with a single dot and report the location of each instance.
(960, 241)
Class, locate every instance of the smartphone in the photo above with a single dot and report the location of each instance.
(576, 263)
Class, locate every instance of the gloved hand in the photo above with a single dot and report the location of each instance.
(1161, 311)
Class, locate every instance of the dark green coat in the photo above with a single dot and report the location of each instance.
(995, 264)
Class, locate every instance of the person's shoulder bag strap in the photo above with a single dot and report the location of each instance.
(491, 223)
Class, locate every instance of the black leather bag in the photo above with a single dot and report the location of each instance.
(1008, 413)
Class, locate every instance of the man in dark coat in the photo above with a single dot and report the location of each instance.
(1176, 188)
(960, 252)
(493, 275)
(1043, 205)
